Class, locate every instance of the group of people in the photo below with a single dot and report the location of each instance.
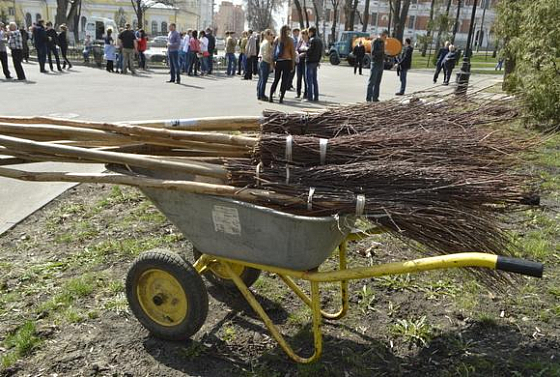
(47, 41)
(446, 60)
(190, 52)
(120, 54)
(293, 54)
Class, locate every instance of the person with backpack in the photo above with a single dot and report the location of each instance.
(284, 57)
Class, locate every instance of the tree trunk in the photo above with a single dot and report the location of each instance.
(348, 14)
(456, 25)
(333, 26)
(300, 14)
(139, 10)
(353, 14)
(366, 17)
(306, 14)
(400, 20)
(317, 13)
(390, 17)
(430, 27)
(480, 35)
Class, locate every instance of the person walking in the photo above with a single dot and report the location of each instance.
(376, 71)
(211, 49)
(313, 59)
(15, 42)
(230, 53)
(241, 60)
(250, 54)
(184, 51)
(142, 41)
(359, 52)
(173, 44)
(439, 61)
(40, 41)
(52, 42)
(63, 43)
(301, 52)
(284, 56)
(403, 65)
(265, 53)
(448, 64)
(109, 51)
(128, 44)
(4, 52)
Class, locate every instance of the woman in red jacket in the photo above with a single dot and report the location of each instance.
(142, 46)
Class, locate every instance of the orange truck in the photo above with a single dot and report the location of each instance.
(342, 49)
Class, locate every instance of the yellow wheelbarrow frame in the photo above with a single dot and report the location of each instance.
(343, 275)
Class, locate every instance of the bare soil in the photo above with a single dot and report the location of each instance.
(64, 269)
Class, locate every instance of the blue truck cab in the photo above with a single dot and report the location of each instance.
(342, 49)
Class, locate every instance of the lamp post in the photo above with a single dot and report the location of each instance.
(465, 72)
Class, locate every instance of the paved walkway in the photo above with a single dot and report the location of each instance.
(93, 94)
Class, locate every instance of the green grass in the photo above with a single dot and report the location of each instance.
(20, 343)
(413, 331)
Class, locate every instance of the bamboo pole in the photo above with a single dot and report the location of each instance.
(126, 134)
(250, 195)
(235, 123)
(27, 146)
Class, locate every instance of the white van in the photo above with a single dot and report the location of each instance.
(96, 27)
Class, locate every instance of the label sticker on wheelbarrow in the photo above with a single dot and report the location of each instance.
(226, 220)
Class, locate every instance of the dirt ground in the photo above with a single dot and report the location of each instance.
(64, 313)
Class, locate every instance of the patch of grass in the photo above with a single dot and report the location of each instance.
(414, 331)
(115, 286)
(117, 304)
(72, 315)
(440, 287)
(312, 370)
(80, 287)
(536, 244)
(468, 299)
(366, 298)
(20, 343)
(194, 351)
(301, 316)
(486, 319)
(397, 282)
(229, 333)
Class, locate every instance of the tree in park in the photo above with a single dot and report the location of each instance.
(141, 6)
(260, 13)
(400, 13)
(68, 12)
(335, 8)
(529, 30)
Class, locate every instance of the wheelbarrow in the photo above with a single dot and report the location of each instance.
(234, 241)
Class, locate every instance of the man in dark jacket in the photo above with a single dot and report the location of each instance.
(404, 63)
(448, 64)
(313, 58)
(52, 42)
(40, 41)
(377, 63)
(359, 52)
(211, 48)
(439, 62)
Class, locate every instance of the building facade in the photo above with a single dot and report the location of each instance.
(230, 17)
(157, 17)
(416, 23)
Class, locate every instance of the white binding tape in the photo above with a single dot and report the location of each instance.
(323, 150)
(287, 174)
(289, 145)
(180, 123)
(258, 176)
(310, 198)
(360, 204)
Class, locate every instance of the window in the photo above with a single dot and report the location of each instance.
(28, 19)
(154, 27)
(411, 20)
(83, 23)
(12, 11)
(373, 19)
(164, 27)
(38, 17)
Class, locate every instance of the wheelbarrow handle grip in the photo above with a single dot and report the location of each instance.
(520, 266)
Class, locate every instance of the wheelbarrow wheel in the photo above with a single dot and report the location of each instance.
(166, 295)
(217, 277)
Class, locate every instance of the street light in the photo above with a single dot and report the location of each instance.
(465, 72)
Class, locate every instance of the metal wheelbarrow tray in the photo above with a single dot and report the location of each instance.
(234, 241)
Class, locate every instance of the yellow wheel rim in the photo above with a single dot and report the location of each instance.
(219, 270)
(162, 297)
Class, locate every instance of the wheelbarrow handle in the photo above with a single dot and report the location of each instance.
(520, 266)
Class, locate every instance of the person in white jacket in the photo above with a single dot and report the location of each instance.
(204, 52)
(184, 51)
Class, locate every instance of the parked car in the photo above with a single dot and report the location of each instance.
(159, 41)
(156, 54)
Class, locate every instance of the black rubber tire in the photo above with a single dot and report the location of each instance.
(249, 275)
(191, 283)
(334, 59)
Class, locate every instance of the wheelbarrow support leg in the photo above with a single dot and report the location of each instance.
(343, 288)
(315, 308)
